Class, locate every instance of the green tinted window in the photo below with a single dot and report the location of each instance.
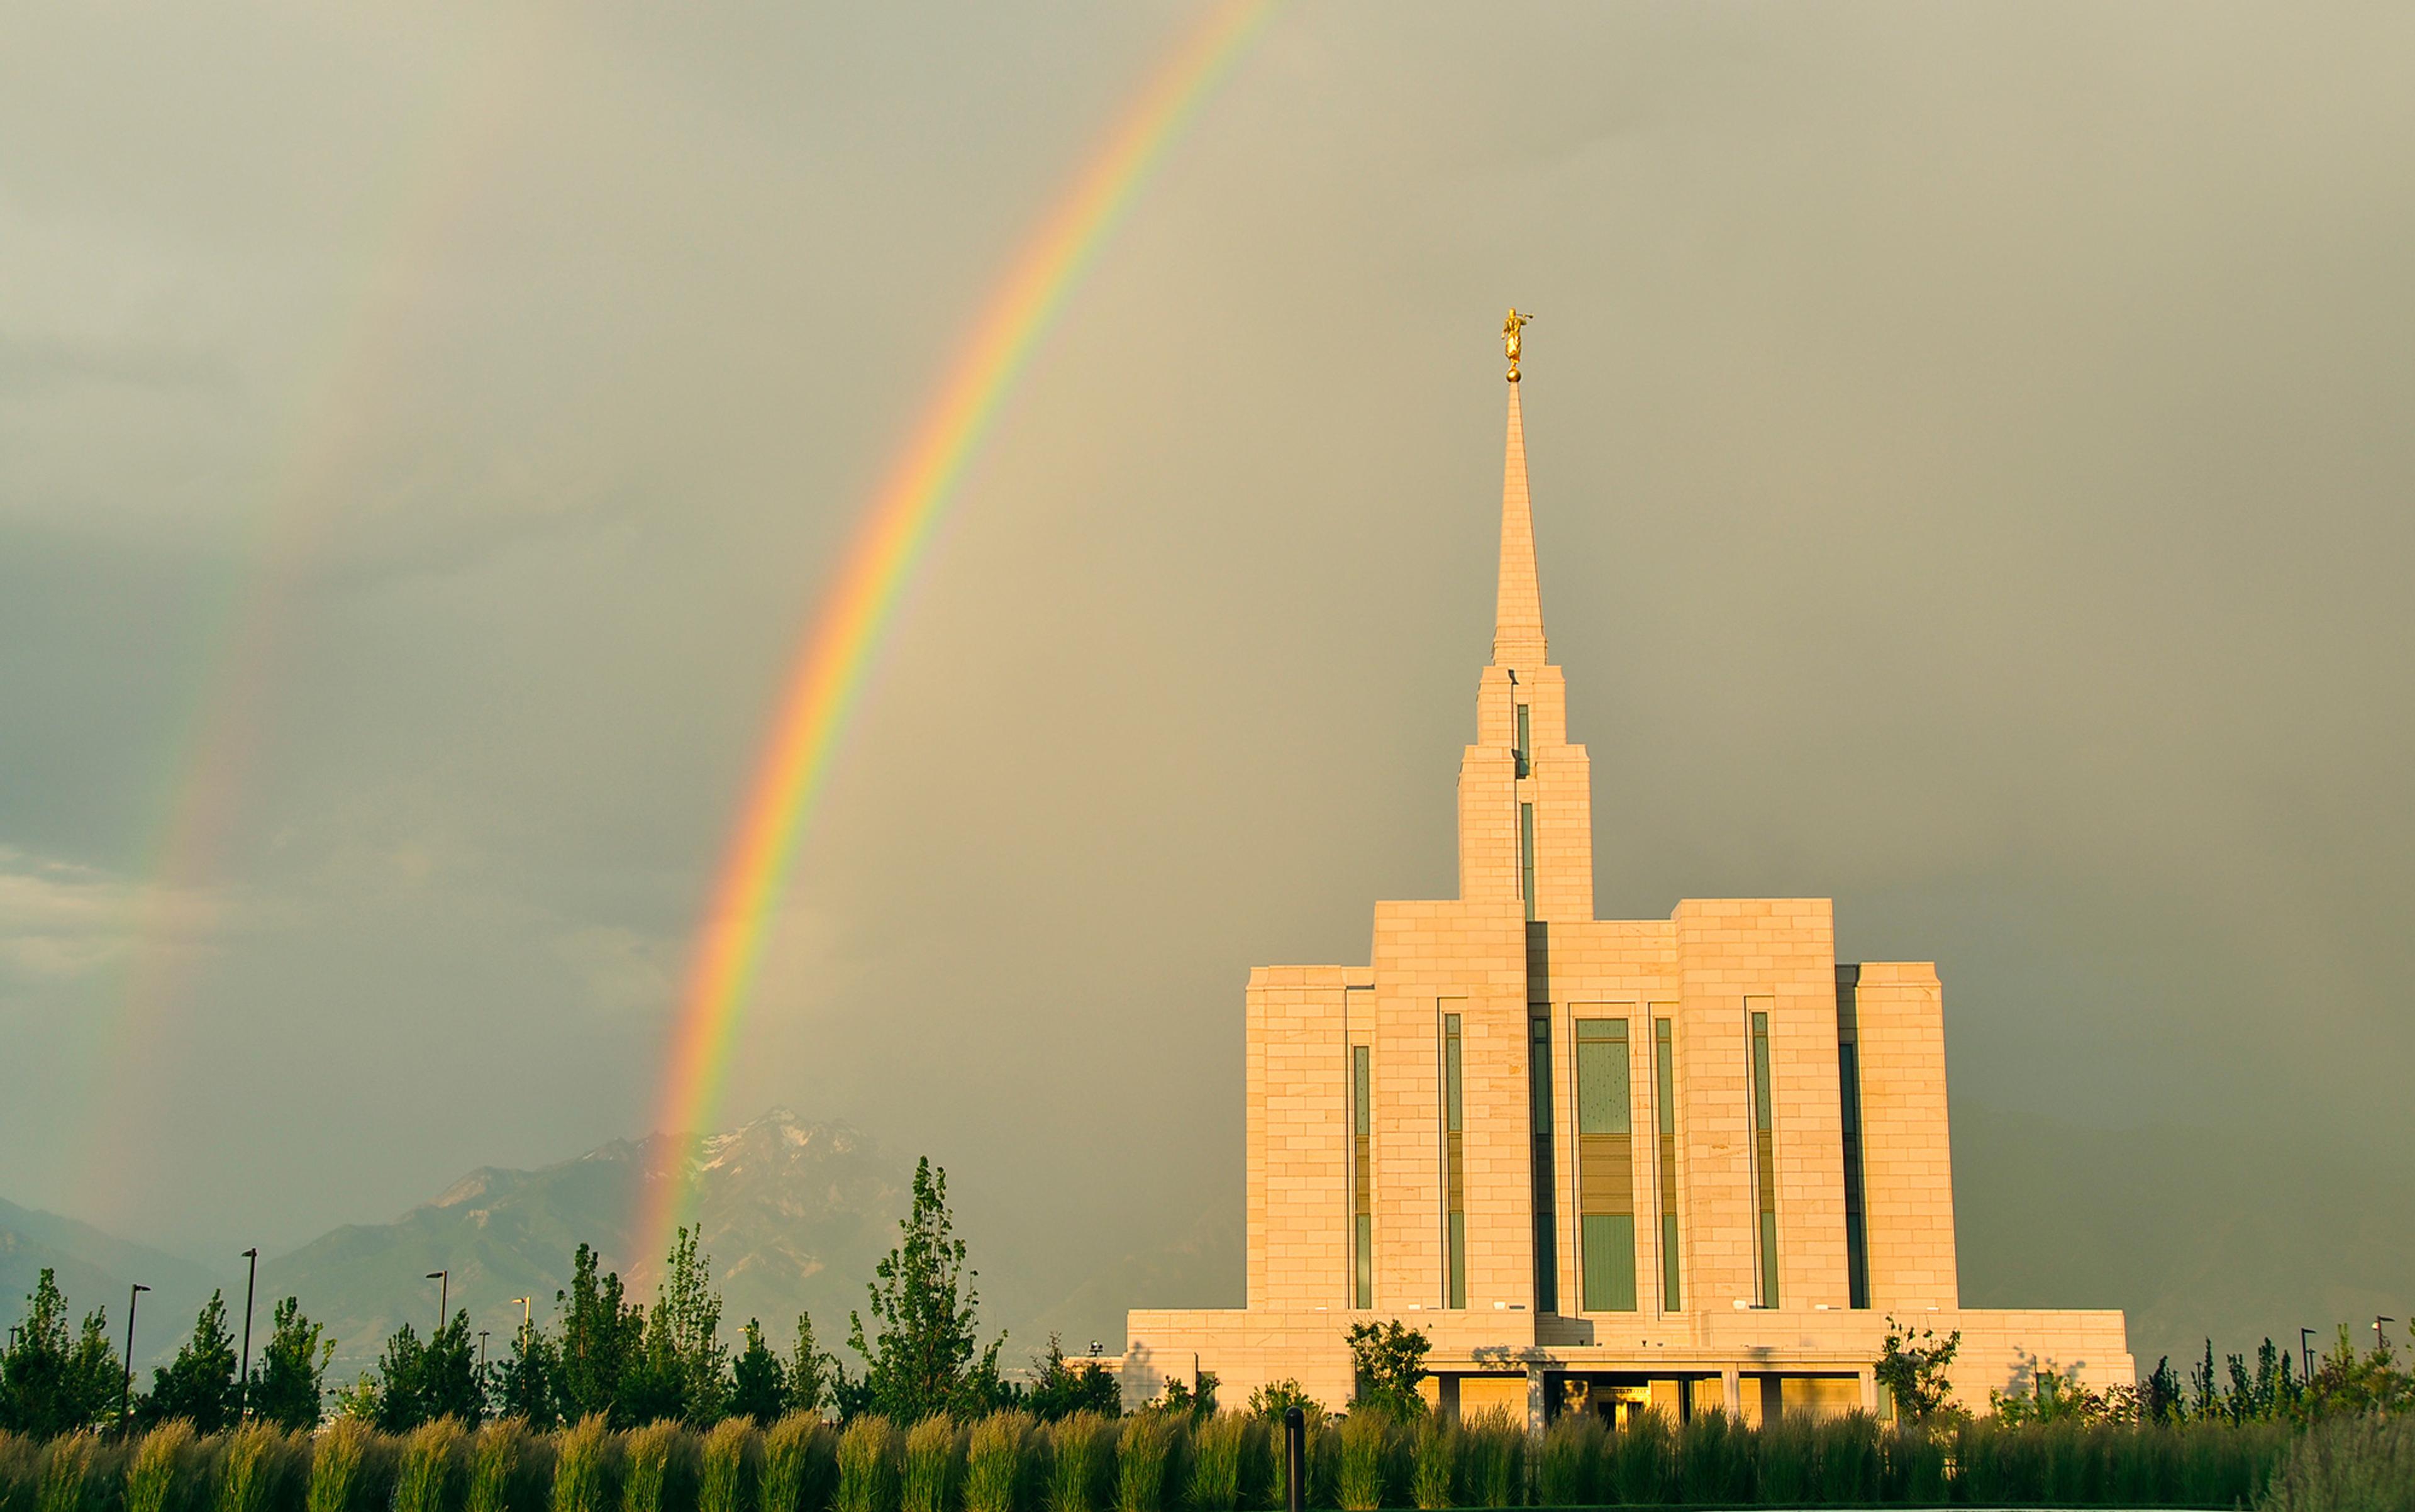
(1450, 1072)
(1360, 1087)
(1602, 1097)
(1527, 855)
(1609, 1240)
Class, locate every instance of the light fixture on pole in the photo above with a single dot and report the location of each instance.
(444, 1292)
(482, 1352)
(2307, 1347)
(125, 1391)
(526, 1317)
(250, 1284)
(2378, 1341)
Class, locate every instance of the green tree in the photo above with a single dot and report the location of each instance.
(419, 1382)
(1061, 1387)
(1913, 1365)
(2159, 1397)
(198, 1385)
(2346, 1382)
(52, 1381)
(1271, 1401)
(685, 1360)
(759, 1385)
(919, 1354)
(1387, 1360)
(2205, 1400)
(291, 1378)
(813, 1373)
(526, 1384)
(602, 1339)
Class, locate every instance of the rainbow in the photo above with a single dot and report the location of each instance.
(896, 529)
(428, 180)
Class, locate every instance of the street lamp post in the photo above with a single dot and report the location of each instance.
(482, 1352)
(250, 1284)
(2307, 1347)
(2379, 1341)
(125, 1390)
(444, 1292)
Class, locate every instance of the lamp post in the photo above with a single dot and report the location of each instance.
(482, 1352)
(125, 1390)
(2379, 1343)
(250, 1284)
(443, 1280)
(2307, 1347)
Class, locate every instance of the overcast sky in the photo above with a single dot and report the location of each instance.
(1972, 459)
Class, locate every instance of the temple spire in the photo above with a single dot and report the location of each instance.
(1517, 615)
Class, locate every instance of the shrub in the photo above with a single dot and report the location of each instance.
(583, 1467)
(339, 1466)
(1433, 1474)
(1914, 1467)
(1786, 1462)
(258, 1466)
(1494, 1455)
(19, 1471)
(1641, 1463)
(725, 1479)
(1574, 1447)
(1362, 1479)
(867, 1466)
(1149, 1459)
(495, 1457)
(650, 1467)
(1852, 1468)
(799, 1465)
(432, 1463)
(161, 1476)
(2366, 1464)
(1082, 1449)
(1220, 1457)
(1714, 1459)
(71, 1469)
(929, 1481)
(996, 1479)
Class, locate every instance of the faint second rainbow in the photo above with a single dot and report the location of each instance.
(896, 527)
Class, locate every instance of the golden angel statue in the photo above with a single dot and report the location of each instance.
(1512, 343)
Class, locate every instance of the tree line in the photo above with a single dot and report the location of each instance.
(602, 1355)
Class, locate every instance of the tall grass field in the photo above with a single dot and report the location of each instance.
(1168, 1462)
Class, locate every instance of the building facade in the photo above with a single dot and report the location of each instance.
(1687, 1163)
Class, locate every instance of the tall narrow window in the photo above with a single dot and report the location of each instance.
(1362, 1175)
(1849, 1087)
(1527, 855)
(1546, 1221)
(1454, 1165)
(1664, 1077)
(1764, 1153)
(1605, 1166)
(1525, 750)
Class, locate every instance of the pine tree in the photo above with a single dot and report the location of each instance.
(289, 1378)
(198, 1385)
(813, 1374)
(527, 1382)
(759, 1383)
(394, 1396)
(50, 1382)
(602, 1334)
(919, 1357)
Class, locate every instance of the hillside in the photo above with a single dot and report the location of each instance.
(793, 1214)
